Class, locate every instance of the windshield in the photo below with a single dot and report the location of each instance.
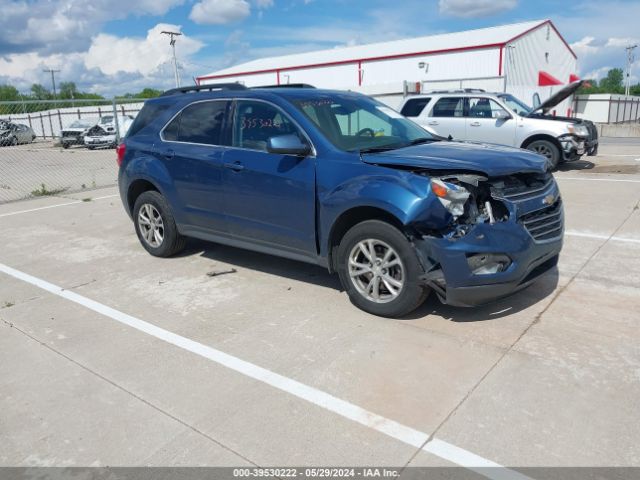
(359, 123)
(516, 105)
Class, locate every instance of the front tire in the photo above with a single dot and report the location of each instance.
(546, 149)
(380, 270)
(155, 225)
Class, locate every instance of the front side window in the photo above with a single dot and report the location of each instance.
(356, 123)
(256, 122)
(449, 107)
(200, 122)
(484, 108)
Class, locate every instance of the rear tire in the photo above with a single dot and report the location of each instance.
(546, 149)
(155, 226)
(379, 270)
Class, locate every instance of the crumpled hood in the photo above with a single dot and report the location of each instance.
(491, 160)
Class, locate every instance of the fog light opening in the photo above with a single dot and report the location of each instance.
(488, 263)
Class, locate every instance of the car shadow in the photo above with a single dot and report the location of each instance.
(577, 165)
(282, 267)
(316, 275)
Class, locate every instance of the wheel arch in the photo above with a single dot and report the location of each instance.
(349, 219)
(542, 136)
(137, 188)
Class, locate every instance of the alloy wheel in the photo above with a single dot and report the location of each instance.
(151, 225)
(376, 271)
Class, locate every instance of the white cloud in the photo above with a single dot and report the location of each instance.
(475, 8)
(219, 12)
(110, 65)
(65, 25)
(111, 54)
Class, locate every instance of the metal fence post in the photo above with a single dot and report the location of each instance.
(115, 120)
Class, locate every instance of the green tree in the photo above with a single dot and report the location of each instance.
(39, 92)
(612, 83)
(9, 92)
(68, 90)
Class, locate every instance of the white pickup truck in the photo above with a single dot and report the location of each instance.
(500, 118)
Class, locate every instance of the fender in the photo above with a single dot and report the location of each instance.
(404, 195)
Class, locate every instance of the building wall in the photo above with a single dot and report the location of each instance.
(539, 50)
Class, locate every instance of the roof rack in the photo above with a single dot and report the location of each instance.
(210, 87)
(287, 85)
(460, 90)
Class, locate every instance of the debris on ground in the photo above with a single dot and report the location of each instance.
(216, 273)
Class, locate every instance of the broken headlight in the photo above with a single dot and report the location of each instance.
(453, 197)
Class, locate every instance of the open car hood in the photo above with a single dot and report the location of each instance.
(558, 97)
(490, 160)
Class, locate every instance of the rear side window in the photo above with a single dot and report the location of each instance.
(200, 122)
(414, 107)
(449, 107)
(149, 112)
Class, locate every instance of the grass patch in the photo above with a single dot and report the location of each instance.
(43, 191)
(7, 304)
(88, 199)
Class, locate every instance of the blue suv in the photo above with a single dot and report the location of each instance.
(340, 180)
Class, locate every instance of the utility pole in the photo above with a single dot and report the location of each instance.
(172, 42)
(53, 79)
(630, 59)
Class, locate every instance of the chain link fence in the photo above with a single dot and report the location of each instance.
(57, 147)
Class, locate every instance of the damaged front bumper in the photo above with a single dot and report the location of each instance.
(451, 275)
(573, 147)
(494, 259)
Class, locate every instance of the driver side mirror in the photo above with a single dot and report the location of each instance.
(288, 145)
(503, 115)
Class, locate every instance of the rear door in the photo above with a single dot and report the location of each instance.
(269, 198)
(446, 117)
(192, 152)
(484, 124)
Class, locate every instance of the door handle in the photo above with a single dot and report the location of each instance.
(474, 124)
(235, 166)
(433, 123)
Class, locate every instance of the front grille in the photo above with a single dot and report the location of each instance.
(70, 134)
(544, 224)
(520, 187)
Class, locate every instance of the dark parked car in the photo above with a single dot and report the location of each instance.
(340, 180)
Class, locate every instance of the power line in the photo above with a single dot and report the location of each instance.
(53, 79)
(172, 42)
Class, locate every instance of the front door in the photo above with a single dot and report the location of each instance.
(269, 198)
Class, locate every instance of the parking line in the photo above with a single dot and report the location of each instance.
(573, 233)
(559, 177)
(345, 409)
(53, 206)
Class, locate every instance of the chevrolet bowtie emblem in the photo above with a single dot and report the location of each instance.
(549, 200)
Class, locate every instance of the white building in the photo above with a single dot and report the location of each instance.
(523, 59)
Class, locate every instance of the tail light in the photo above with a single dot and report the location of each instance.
(120, 150)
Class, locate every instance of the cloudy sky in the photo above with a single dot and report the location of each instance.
(115, 46)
